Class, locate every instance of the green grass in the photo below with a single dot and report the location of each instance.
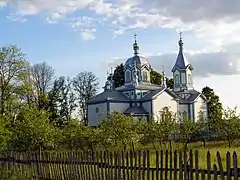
(212, 147)
(57, 170)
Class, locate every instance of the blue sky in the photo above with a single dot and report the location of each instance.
(93, 35)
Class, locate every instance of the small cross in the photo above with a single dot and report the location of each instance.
(135, 37)
(111, 70)
(180, 33)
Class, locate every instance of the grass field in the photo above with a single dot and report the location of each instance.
(212, 147)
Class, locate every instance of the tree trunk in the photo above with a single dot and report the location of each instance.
(204, 143)
(133, 147)
(185, 146)
(229, 142)
(170, 144)
(154, 145)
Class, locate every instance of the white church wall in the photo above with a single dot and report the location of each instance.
(118, 107)
(164, 100)
(96, 113)
(200, 105)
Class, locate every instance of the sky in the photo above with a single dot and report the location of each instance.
(94, 35)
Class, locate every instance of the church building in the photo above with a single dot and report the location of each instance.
(141, 99)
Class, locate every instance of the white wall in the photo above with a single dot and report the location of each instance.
(93, 116)
(163, 100)
(118, 107)
(200, 105)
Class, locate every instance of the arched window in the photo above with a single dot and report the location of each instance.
(145, 76)
(176, 78)
(127, 76)
(189, 79)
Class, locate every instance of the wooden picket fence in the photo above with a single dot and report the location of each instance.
(141, 165)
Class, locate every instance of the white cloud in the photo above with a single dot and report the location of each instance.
(216, 20)
(204, 63)
(87, 34)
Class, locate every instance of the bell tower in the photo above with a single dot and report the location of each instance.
(182, 71)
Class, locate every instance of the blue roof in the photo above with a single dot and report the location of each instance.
(136, 110)
(181, 62)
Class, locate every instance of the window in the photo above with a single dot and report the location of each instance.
(127, 76)
(145, 76)
(189, 79)
(176, 78)
(97, 110)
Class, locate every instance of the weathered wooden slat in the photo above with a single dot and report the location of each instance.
(191, 165)
(215, 172)
(180, 166)
(196, 165)
(111, 164)
(175, 165)
(208, 166)
(105, 160)
(161, 165)
(123, 164)
(135, 166)
(185, 165)
(170, 165)
(139, 164)
(166, 164)
(219, 160)
(157, 165)
(131, 165)
(148, 165)
(235, 166)
(144, 164)
(228, 165)
(127, 164)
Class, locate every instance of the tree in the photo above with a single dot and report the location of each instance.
(13, 69)
(118, 75)
(214, 106)
(186, 129)
(62, 101)
(156, 78)
(5, 132)
(42, 79)
(32, 130)
(76, 135)
(229, 125)
(167, 123)
(85, 85)
(117, 130)
(202, 128)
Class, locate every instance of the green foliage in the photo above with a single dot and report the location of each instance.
(167, 123)
(229, 125)
(32, 130)
(13, 69)
(214, 107)
(156, 78)
(85, 85)
(186, 128)
(118, 75)
(5, 132)
(117, 130)
(77, 136)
